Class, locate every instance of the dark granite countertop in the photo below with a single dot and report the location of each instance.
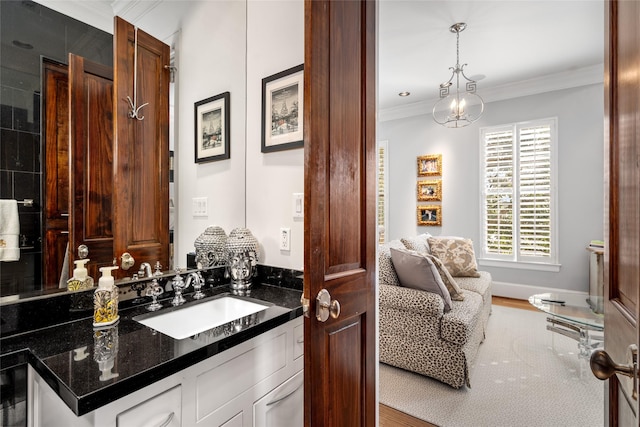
(66, 355)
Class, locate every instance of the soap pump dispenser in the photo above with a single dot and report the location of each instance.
(105, 300)
(80, 280)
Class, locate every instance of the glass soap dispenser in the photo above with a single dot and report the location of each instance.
(105, 300)
(80, 280)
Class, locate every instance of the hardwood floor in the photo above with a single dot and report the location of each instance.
(390, 417)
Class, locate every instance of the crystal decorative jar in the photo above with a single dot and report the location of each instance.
(211, 247)
(242, 258)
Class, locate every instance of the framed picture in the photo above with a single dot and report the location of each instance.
(430, 165)
(429, 215)
(212, 129)
(430, 190)
(282, 110)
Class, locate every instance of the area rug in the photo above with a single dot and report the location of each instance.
(523, 375)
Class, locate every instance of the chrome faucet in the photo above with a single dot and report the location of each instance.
(145, 270)
(198, 281)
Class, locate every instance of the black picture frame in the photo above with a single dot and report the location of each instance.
(282, 110)
(212, 139)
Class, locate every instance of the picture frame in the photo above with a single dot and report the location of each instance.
(212, 137)
(429, 215)
(429, 190)
(430, 165)
(283, 110)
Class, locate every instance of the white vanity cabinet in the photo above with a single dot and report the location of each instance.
(235, 388)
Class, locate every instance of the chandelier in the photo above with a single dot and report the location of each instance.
(460, 106)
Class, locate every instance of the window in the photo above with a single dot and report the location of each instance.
(383, 180)
(518, 193)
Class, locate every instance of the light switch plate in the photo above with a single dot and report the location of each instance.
(285, 239)
(298, 205)
(199, 206)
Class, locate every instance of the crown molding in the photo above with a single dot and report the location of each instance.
(133, 10)
(549, 83)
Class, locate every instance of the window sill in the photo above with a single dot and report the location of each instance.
(520, 265)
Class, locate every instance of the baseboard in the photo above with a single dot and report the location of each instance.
(519, 291)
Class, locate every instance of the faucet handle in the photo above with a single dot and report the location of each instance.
(154, 291)
(197, 284)
(178, 286)
(158, 268)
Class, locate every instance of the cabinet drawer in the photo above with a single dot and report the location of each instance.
(220, 385)
(283, 406)
(298, 341)
(163, 410)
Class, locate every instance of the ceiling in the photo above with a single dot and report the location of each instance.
(512, 47)
(507, 44)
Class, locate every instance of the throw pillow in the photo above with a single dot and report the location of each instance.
(417, 272)
(457, 255)
(418, 243)
(452, 286)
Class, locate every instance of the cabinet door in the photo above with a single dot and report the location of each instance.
(283, 406)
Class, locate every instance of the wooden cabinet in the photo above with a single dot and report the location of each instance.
(256, 383)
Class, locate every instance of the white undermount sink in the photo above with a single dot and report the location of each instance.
(191, 319)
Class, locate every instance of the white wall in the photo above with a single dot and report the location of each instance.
(580, 178)
(275, 42)
(210, 56)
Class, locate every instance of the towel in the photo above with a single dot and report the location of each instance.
(9, 231)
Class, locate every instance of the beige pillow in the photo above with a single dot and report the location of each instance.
(418, 272)
(452, 286)
(418, 243)
(457, 255)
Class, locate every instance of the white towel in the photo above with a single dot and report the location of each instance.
(9, 231)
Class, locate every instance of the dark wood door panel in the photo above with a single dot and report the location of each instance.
(55, 102)
(622, 189)
(141, 151)
(91, 160)
(340, 196)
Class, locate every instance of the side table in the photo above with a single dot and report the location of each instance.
(571, 315)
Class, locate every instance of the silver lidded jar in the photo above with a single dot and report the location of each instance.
(242, 258)
(211, 247)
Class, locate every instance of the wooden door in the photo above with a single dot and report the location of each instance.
(340, 212)
(91, 162)
(55, 125)
(622, 236)
(141, 147)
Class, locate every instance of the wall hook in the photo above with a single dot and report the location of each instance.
(135, 110)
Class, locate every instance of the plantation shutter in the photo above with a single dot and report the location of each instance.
(383, 206)
(498, 192)
(535, 191)
(518, 195)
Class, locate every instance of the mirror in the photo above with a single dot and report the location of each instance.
(21, 119)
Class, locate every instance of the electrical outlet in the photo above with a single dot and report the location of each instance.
(285, 239)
